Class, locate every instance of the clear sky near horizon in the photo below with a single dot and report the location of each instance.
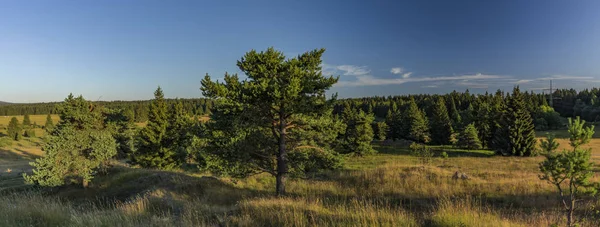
(122, 50)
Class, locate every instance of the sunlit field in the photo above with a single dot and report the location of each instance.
(391, 188)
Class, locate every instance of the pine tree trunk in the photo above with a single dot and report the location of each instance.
(282, 167)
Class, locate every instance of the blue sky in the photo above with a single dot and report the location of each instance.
(122, 50)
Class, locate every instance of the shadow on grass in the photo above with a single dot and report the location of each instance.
(10, 155)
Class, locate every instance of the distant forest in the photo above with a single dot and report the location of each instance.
(139, 109)
(567, 102)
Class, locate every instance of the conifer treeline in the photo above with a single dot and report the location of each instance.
(138, 110)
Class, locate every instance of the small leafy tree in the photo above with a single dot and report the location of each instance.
(77, 148)
(569, 171)
(468, 139)
(14, 129)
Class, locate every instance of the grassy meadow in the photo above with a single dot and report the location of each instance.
(391, 188)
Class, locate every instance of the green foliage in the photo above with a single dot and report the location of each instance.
(441, 126)
(49, 125)
(394, 121)
(152, 150)
(454, 114)
(468, 139)
(359, 133)
(14, 129)
(79, 114)
(380, 129)
(578, 134)
(569, 171)
(26, 121)
(76, 149)
(415, 125)
(281, 108)
(549, 145)
(29, 133)
(179, 133)
(516, 136)
(484, 120)
(422, 152)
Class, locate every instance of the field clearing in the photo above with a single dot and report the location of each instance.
(39, 119)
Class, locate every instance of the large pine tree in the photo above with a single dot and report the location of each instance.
(516, 134)
(277, 120)
(151, 152)
(441, 126)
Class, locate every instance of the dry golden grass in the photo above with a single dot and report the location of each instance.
(387, 189)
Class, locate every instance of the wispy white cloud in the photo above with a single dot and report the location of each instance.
(406, 75)
(397, 70)
(523, 81)
(369, 80)
(565, 77)
(346, 70)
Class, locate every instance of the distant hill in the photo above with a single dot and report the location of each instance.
(4, 103)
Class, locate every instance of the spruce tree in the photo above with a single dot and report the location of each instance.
(26, 121)
(14, 129)
(441, 126)
(380, 129)
(179, 137)
(454, 114)
(483, 121)
(49, 123)
(468, 138)
(516, 135)
(394, 121)
(151, 152)
(359, 134)
(415, 125)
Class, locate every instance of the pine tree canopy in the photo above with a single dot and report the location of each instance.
(277, 118)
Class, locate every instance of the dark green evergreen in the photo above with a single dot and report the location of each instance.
(415, 125)
(359, 134)
(516, 135)
(14, 129)
(454, 114)
(49, 123)
(380, 129)
(278, 120)
(468, 138)
(394, 121)
(151, 151)
(441, 126)
(26, 121)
